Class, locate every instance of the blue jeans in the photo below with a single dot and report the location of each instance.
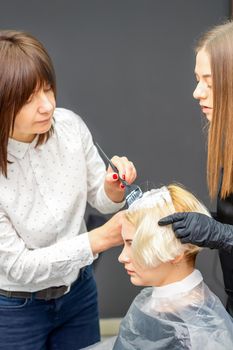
(67, 323)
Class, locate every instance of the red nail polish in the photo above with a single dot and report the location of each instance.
(122, 186)
(123, 176)
(115, 176)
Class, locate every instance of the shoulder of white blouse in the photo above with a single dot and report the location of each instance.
(66, 118)
(68, 121)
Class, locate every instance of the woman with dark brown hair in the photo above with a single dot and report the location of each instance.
(214, 73)
(49, 170)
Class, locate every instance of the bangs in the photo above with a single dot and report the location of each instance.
(32, 75)
(23, 70)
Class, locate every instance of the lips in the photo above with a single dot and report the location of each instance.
(205, 107)
(44, 121)
(206, 110)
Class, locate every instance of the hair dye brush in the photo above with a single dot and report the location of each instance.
(132, 192)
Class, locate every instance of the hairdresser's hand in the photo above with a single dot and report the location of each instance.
(107, 235)
(201, 230)
(114, 189)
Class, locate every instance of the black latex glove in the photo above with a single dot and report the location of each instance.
(201, 230)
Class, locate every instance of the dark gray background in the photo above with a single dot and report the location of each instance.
(126, 66)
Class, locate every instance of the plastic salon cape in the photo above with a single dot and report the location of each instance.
(181, 315)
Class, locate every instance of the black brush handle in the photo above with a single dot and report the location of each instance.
(114, 168)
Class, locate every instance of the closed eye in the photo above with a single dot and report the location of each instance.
(128, 242)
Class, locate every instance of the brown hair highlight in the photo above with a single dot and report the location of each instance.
(218, 44)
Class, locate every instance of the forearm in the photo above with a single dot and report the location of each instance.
(26, 266)
(107, 235)
(98, 240)
(103, 203)
(45, 264)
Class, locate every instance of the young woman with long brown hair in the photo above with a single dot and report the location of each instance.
(214, 91)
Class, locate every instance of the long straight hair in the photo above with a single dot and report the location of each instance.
(218, 44)
(24, 66)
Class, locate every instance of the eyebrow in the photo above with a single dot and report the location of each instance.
(205, 75)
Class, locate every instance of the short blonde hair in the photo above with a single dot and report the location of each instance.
(153, 244)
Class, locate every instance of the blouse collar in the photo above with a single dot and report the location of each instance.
(185, 285)
(18, 149)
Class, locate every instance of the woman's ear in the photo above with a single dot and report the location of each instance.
(177, 259)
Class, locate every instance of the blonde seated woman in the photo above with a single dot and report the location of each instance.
(177, 311)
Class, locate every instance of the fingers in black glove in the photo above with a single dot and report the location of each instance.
(178, 221)
(170, 219)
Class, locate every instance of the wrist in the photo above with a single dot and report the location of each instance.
(227, 235)
(98, 240)
(222, 236)
(116, 196)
